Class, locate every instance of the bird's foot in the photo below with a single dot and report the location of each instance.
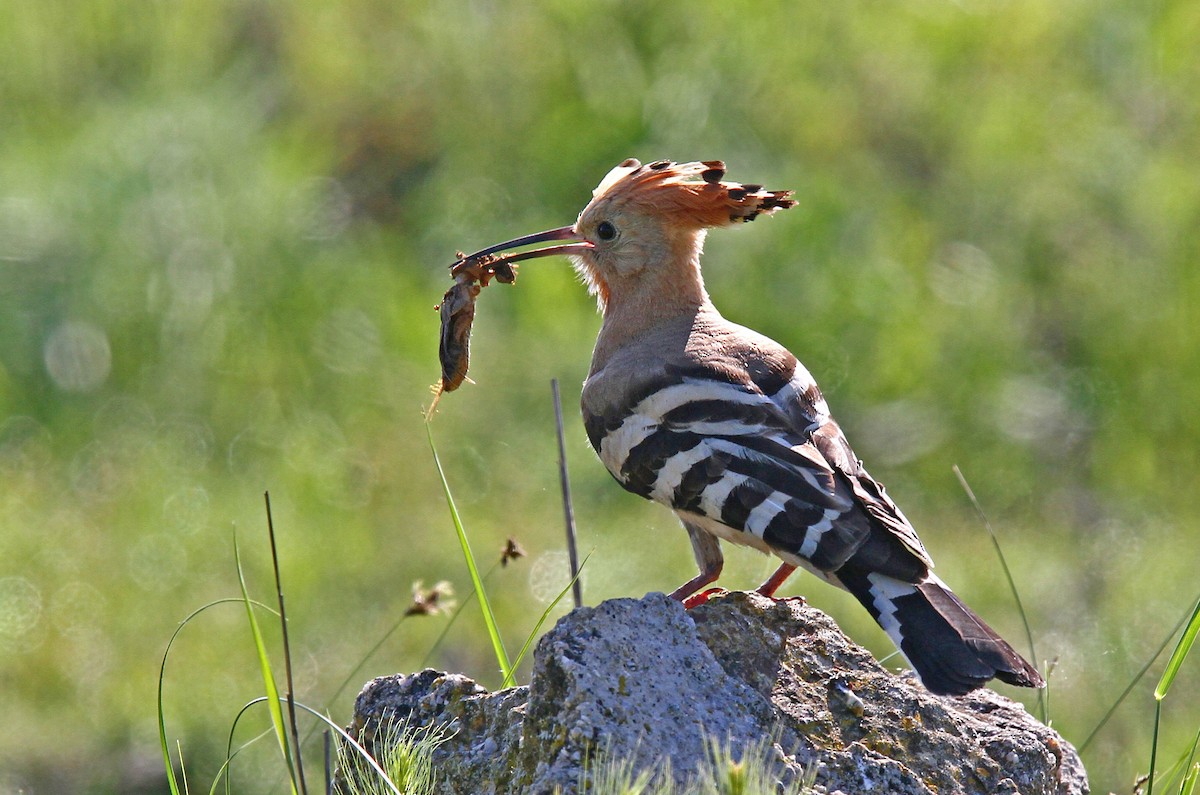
(701, 598)
(777, 579)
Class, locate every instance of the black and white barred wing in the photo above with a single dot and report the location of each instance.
(800, 397)
(726, 457)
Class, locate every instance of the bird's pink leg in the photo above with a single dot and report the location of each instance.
(706, 577)
(777, 579)
(709, 559)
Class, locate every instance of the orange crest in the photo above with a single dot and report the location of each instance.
(694, 193)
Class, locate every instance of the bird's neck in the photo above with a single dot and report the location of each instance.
(657, 296)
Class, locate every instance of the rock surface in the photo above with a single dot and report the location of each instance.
(646, 681)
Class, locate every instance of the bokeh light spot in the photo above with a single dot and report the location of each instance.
(320, 208)
(77, 356)
(1030, 411)
(347, 341)
(123, 416)
(96, 473)
(90, 656)
(77, 607)
(24, 445)
(186, 511)
(549, 574)
(20, 611)
(900, 431)
(348, 481)
(314, 443)
(962, 274)
(197, 272)
(251, 453)
(188, 440)
(157, 562)
(24, 229)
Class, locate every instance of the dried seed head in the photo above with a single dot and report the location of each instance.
(431, 601)
(511, 551)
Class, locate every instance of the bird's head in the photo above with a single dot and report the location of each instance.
(645, 226)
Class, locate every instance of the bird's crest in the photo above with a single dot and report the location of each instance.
(693, 191)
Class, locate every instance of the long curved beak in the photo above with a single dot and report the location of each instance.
(578, 246)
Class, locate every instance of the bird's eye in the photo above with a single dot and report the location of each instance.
(606, 231)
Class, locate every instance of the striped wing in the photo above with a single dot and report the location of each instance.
(800, 398)
(769, 466)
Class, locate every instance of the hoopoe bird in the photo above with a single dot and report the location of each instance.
(727, 428)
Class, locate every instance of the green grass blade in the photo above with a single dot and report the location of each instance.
(1181, 768)
(545, 614)
(354, 744)
(287, 649)
(489, 617)
(1191, 768)
(363, 661)
(162, 675)
(230, 753)
(1181, 651)
(268, 677)
(1012, 585)
(1188, 787)
(1133, 683)
(458, 609)
(1154, 747)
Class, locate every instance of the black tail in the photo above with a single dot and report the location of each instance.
(951, 648)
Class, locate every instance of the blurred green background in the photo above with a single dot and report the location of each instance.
(224, 225)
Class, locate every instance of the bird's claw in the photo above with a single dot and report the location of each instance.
(695, 600)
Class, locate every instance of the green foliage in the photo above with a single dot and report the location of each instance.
(729, 770)
(223, 225)
(273, 700)
(745, 772)
(1185, 764)
(407, 761)
(1186, 641)
(164, 742)
(485, 604)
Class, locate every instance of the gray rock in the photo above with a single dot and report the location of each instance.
(648, 682)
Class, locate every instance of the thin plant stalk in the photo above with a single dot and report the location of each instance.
(392, 630)
(437, 643)
(533, 633)
(1154, 746)
(1191, 768)
(1012, 585)
(268, 676)
(346, 738)
(353, 744)
(162, 675)
(568, 508)
(489, 616)
(1186, 641)
(225, 773)
(1133, 682)
(287, 648)
(1182, 768)
(328, 748)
